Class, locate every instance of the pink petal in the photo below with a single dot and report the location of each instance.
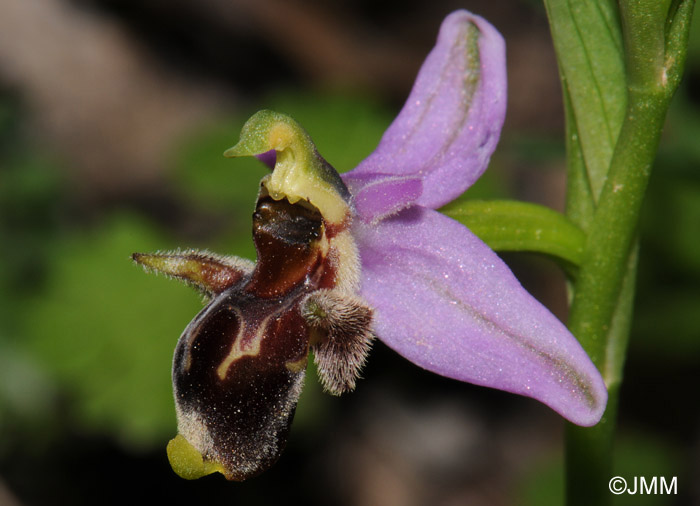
(379, 195)
(451, 122)
(446, 302)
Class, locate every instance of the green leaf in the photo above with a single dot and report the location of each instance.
(520, 226)
(588, 42)
(580, 202)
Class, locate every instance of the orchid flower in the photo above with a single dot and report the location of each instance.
(342, 260)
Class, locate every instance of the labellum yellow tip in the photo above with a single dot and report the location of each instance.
(187, 462)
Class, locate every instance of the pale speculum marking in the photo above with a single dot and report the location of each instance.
(242, 347)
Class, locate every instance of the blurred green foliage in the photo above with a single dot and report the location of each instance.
(106, 331)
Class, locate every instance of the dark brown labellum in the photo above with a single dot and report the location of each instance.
(237, 374)
(239, 366)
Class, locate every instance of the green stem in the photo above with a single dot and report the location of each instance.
(589, 450)
(587, 459)
(614, 225)
(655, 33)
(620, 62)
(601, 310)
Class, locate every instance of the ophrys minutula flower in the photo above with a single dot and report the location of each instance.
(341, 260)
